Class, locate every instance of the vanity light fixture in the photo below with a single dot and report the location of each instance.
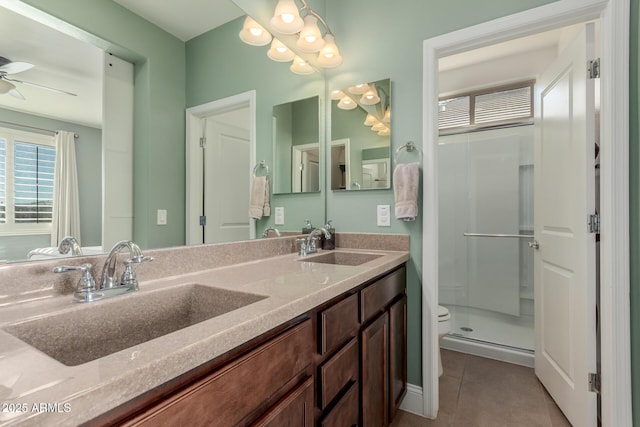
(286, 18)
(337, 94)
(385, 132)
(279, 52)
(329, 56)
(253, 33)
(346, 103)
(370, 97)
(300, 66)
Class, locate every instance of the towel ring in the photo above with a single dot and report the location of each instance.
(410, 147)
(262, 165)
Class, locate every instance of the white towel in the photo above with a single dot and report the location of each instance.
(405, 190)
(259, 202)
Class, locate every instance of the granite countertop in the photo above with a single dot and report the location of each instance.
(36, 389)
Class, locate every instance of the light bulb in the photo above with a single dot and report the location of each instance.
(253, 33)
(329, 56)
(310, 40)
(286, 18)
(337, 94)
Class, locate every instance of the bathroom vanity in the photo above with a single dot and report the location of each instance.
(321, 340)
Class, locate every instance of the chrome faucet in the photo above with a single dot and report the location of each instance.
(309, 245)
(87, 290)
(69, 243)
(108, 278)
(265, 233)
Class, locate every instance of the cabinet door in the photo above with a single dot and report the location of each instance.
(375, 350)
(397, 354)
(294, 410)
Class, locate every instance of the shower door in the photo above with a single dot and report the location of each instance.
(486, 219)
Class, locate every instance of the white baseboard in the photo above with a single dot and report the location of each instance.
(413, 401)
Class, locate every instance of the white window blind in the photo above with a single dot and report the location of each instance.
(34, 166)
(487, 107)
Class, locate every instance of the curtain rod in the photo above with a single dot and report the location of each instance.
(75, 135)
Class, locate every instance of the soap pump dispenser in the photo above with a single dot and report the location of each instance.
(329, 243)
(308, 228)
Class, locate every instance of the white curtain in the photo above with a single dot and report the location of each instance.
(66, 202)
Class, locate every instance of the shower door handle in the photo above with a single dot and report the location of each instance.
(534, 245)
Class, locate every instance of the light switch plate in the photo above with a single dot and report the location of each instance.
(279, 220)
(162, 217)
(384, 216)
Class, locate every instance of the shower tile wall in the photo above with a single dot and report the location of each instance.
(486, 186)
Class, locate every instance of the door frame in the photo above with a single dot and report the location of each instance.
(193, 154)
(614, 185)
(297, 152)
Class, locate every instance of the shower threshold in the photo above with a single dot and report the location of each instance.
(504, 353)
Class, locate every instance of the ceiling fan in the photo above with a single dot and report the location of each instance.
(7, 67)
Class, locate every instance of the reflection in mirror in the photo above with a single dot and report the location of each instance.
(360, 129)
(296, 135)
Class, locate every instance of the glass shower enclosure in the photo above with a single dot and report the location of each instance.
(485, 225)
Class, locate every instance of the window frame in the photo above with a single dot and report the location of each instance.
(473, 126)
(10, 228)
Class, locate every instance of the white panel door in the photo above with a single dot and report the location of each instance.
(565, 349)
(226, 182)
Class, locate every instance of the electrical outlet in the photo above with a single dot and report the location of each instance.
(161, 217)
(384, 216)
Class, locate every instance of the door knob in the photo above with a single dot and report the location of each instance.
(534, 244)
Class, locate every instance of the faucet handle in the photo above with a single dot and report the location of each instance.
(129, 275)
(86, 287)
(303, 246)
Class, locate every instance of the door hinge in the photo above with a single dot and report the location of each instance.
(203, 142)
(203, 220)
(593, 223)
(594, 382)
(593, 68)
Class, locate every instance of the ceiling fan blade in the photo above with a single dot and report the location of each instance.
(41, 86)
(16, 67)
(16, 94)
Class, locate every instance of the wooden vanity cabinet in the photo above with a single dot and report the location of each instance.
(342, 364)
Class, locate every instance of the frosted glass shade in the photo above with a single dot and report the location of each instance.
(279, 52)
(286, 18)
(337, 94)
(378, 127)
(5, 86)
(385, 132)
(387, 115)
(347, 103)
(359, 89)
(370, 97)
(310, 39)
(329, 56)
(300, 66)
(370, 120)
(253, 33)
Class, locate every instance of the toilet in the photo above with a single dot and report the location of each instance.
(444, 327)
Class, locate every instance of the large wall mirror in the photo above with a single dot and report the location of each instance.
(360, 132)
(296, 145)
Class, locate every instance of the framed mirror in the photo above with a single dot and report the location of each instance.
(360, 131)
(296, 146)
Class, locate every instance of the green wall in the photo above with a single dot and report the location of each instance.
(89, 159)
(159, 73)
(219, 65)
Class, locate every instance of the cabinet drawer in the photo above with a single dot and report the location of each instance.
(338, 323)
(294, 410)
(338, 372)
(229, 395)
(376, 296)
(346, 412)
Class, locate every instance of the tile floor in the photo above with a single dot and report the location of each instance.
(479, 392)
